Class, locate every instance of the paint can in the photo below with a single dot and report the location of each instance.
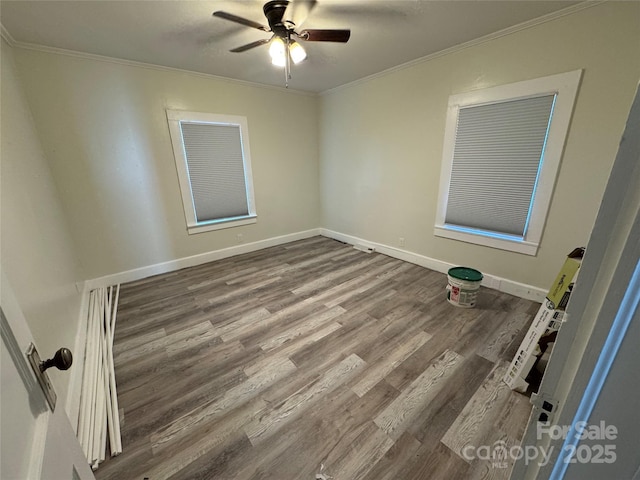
(464, 283)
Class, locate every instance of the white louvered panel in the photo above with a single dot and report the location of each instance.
(497, 154)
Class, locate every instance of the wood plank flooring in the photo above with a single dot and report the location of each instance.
(312, 358)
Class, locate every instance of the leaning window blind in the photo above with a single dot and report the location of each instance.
(497, 153)
(216, 170)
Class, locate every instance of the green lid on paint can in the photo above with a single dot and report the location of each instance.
(465, 273)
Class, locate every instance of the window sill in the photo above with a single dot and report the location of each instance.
(220, 224)
(487, 240)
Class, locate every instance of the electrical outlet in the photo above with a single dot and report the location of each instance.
(239, 238)
(401, 242)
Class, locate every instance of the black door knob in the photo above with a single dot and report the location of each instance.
(62, 360)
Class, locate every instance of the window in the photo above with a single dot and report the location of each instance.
(501, 155)
(214, 169)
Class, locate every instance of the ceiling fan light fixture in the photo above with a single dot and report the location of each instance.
(297, 52)
(277, 51)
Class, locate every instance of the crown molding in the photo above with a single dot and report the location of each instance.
(149, 66)
(479, 41)
(472, 43)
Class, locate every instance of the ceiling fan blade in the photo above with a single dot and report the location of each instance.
(312, 35)
(298, 10)
(251, 45)
(240, 20)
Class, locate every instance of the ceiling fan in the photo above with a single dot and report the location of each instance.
(284, 17)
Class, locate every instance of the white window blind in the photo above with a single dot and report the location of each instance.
(213, 163)
(216, 170)
(497, 156)
(500, 159)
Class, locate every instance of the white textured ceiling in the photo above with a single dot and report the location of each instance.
(183, 34)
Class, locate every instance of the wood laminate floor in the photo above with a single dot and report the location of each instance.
(312, 360)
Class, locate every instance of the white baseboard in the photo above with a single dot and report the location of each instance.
(177, 264)
(490, 281)
(72, 406)
(75, 385)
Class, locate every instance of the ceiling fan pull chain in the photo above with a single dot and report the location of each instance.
(288, 54)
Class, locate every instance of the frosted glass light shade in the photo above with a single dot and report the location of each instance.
(277, 51)
(297, 52)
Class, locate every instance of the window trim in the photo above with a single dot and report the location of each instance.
(175, 118)
(565, 87)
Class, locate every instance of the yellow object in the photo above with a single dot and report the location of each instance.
(563, 280)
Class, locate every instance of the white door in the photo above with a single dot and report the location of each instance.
(36, 443)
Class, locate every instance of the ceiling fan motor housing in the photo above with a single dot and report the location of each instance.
(274, 11)
(283, 27)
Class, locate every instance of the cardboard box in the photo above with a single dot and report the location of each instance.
(548, 319)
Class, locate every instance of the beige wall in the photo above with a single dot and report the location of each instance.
(381, 140)
(37, 251)
(363, 160)
(89, 186)
(104, 130)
